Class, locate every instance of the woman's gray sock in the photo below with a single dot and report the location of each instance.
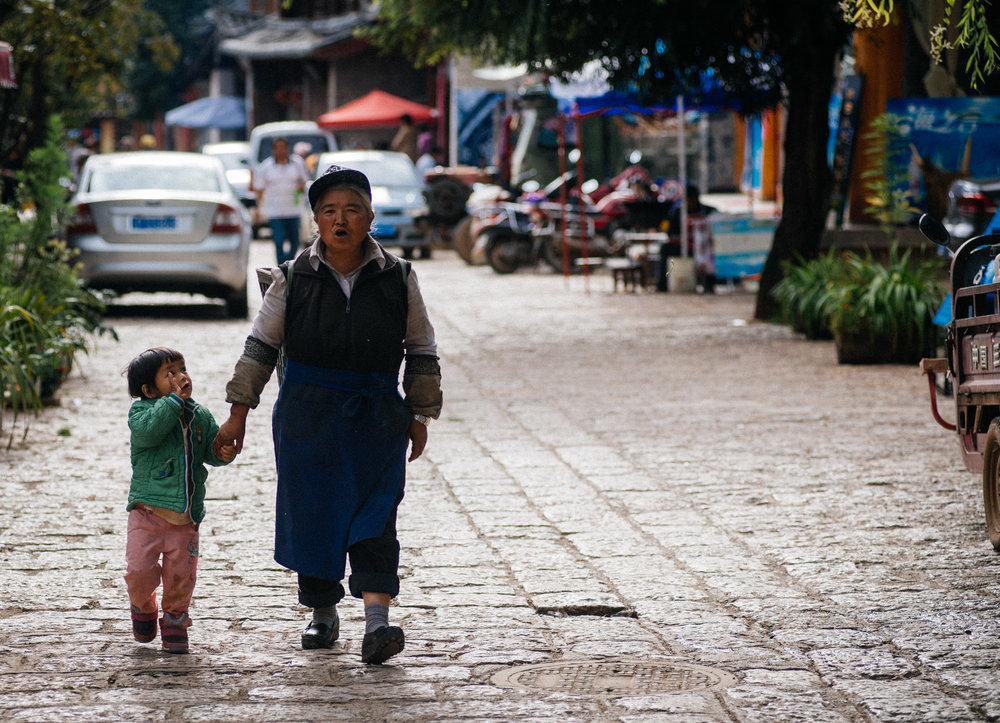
(327, 615)
(376, 617)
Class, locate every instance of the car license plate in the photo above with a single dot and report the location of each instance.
(385, 230)
(153, 223)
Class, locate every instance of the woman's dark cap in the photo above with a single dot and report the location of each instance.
(339, 176)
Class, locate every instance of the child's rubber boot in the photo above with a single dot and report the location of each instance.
(143, 625)
(173, 632)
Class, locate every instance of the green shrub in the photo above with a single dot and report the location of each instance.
(889, 303)
(806, 293)
(886, 177)
(47, 316)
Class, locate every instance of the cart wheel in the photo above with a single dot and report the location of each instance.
(991, 482)
(503, 255)
(446, 198)
(462, 239)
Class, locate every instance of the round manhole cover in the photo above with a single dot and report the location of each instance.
(613, 678)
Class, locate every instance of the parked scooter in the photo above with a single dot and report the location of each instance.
(505, 238)
(552, 225)
(610, 210)
(483, 205)
(511, 235)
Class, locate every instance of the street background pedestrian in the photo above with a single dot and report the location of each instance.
(405, 140)
(279, 182)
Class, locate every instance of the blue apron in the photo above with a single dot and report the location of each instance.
(340, 446)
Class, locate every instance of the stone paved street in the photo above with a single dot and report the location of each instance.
(636, 507)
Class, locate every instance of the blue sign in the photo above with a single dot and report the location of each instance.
(945, 139)
(994, 225)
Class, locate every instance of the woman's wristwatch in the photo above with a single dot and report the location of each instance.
(422, 418)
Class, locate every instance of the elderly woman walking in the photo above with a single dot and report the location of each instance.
(347, 314)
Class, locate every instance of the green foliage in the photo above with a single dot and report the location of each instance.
(807, 293)
(72, 57)
(167, 60)
(21, 335)
(651, 47)
(886, 178)
(972, 32)
(47, 316)
(865, 13)
(890, 303)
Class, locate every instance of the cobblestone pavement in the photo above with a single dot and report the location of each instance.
(636, 507)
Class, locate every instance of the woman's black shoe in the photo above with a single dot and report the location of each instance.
(382, 644)
(320, 635)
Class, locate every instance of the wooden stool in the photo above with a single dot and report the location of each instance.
(631, 275)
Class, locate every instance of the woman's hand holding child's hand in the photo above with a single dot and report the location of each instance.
(225, 452)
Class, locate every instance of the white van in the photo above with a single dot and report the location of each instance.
(295, 131)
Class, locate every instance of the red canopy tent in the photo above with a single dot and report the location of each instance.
(377, 109)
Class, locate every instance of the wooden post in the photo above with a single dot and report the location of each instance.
(878, 56)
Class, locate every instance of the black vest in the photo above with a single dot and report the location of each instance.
(325, 329)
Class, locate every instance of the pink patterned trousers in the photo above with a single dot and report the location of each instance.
(149, 538)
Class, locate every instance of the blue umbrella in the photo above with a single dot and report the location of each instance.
(222, 111)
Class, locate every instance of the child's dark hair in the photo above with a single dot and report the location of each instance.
(142, 370)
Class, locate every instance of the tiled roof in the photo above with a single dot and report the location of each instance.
(294, 37)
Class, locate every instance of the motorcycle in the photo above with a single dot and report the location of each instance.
(602, 216)
(534, 228)
(588, 234)
(513, 235)
(504, 238)
(483, 207)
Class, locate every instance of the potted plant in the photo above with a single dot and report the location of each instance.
(804, 294)
(883, 311)
(876, 312)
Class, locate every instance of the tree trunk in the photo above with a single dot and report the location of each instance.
(806, 181)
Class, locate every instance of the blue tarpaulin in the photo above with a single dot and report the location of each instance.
(222, 111)
(708, 95)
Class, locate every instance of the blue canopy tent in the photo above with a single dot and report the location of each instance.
(225, 112)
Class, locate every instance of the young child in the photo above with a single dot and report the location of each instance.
(172, 438)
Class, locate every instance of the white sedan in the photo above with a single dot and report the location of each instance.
(161, 221)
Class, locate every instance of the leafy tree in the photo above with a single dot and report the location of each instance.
(164, 70)
(70, 57)
(970, 26)
(763, 50)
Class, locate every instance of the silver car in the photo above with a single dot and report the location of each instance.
(397, 196)
(161, 221)
(235, 156)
